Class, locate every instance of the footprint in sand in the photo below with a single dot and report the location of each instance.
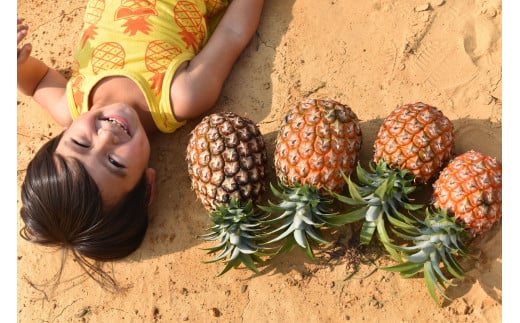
(447, 56)
(480, 34)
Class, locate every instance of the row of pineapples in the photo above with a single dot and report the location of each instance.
(316, 160)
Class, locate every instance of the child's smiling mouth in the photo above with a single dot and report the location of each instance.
(119, 121)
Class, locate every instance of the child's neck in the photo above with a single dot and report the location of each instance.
(122, 89)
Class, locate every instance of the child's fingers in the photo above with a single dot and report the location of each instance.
(22, 32)
(21, 35)
(24, 53)
(21, 27)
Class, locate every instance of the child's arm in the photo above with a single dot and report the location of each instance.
(196, 90)
(45, 85)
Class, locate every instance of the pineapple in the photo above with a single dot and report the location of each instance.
(136, 13)
(412, 145)
(416, 137)
(467, 201)
(214, 7)
(226, 159)
(470, 188)
(93, 13)
(319, 139)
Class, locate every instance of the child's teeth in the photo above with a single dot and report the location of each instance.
(114, 121)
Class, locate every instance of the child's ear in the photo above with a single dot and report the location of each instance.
(150, 183)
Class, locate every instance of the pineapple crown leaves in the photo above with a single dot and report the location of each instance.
(390, 185)
(238, 230)
(301, 210)
(381, 194)
(437, 240)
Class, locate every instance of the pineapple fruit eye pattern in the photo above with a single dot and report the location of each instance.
(318, 140)
(416, 137)
(226, 158)
(470, 189)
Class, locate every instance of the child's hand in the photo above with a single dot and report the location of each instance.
(25, 51)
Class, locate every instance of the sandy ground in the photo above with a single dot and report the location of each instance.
(372, 55)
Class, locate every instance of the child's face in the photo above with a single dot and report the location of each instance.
(112, 145)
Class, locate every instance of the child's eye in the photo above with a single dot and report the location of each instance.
(115, 162)
(80, 143)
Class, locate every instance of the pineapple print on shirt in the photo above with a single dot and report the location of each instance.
(213, 7)
(93, 14)
(107, 56)
(190, 20)
(136, 12)
(158, 57)
(76, 82)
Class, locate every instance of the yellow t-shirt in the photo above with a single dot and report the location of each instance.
(144, 40)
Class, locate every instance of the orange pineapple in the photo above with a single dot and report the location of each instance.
(319, 139)
(470, 189)
(108, 55)
(416, 137)
(190, 20)
(467, 199)
(157, 58)
(92, 16)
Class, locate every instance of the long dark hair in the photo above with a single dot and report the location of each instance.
(62, 207)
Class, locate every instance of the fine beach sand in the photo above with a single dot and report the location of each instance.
(372, 55)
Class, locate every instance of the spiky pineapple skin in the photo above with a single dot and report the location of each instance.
(416, 137)
(470, 189)
(318, 139)
(226, 158)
